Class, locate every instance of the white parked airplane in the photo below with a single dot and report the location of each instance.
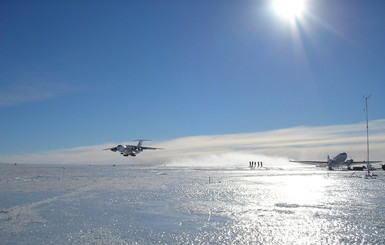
(337, 161)
(131, 150)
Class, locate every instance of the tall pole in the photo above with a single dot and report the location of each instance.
(367, 134)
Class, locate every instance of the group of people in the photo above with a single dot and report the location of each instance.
(255, 164)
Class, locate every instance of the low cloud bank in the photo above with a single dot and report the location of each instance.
(231, 159)
(302, 143)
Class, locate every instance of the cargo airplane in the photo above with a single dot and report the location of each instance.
(338, 161)
(131, 150)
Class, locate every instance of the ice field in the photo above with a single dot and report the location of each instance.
(51, 204)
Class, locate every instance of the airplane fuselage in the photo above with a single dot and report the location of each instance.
(337, 160)
(128, 150)
(131, 150)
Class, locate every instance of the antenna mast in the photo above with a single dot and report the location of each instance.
(367, 134)
(367, 129)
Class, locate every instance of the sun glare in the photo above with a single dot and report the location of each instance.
(289, 9)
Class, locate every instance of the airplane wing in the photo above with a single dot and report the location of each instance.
(109, 148)
(143, 147)
(310, 162)
(363, 162)
(150, 148)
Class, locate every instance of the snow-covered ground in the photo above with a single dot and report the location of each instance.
(51, 204)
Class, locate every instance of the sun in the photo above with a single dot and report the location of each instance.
(289, 9)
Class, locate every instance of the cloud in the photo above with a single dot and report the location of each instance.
(303, 143)
(31, 88)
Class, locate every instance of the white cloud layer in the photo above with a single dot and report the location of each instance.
(302, 143)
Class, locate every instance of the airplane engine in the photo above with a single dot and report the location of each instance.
(350, 161)
(120, 148)
(329, 163)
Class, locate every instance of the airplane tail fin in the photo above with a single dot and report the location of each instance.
(140, 142)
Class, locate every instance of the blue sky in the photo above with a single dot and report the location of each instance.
(85, 73)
